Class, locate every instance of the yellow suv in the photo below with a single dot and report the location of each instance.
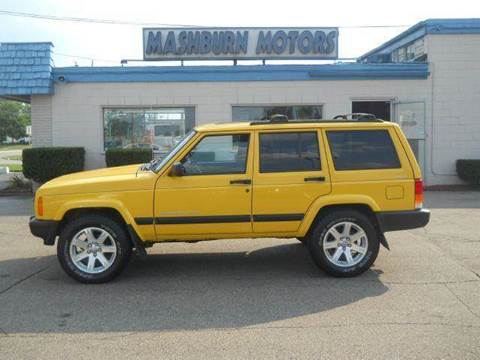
(335, 185)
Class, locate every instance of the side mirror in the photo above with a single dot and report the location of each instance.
(177, 170)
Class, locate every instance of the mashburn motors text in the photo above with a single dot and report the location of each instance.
(228, 42)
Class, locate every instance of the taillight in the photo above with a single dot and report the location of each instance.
(40, 206)
(418, 193)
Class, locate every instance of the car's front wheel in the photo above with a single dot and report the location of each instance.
(344, 243)
(93, 249)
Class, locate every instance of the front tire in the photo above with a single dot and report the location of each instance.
(93, 249)
(344, 243)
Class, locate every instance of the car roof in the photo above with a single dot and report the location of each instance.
(244, 126)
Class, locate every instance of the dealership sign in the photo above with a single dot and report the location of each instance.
(239, 43)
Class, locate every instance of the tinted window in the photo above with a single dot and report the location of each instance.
(284, 152)
(218, 154)
(362, 149)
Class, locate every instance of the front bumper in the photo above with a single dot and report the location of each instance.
(45, 229)
(403, 220)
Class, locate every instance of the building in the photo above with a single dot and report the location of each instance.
(426, 79)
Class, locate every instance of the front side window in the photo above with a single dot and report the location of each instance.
(293, 112)
(158, 129)
(218, 154)
(362, 150)
(286, 152)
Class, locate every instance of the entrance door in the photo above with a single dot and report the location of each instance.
(213, 196)
(411, 118)
(381, 109)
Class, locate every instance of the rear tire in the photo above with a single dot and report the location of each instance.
(344, 243)
(93, 249)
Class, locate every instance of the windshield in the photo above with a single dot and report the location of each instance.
(161, 163)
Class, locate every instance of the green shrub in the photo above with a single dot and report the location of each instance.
(46, 163)
(119, 157)
(469, 171)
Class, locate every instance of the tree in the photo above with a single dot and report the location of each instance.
(14, 117)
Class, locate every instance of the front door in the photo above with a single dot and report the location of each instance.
(214, 195)
(290, 173)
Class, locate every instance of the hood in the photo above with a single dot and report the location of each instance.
(100, 180)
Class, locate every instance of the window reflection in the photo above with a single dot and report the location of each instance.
(294, 112)
(156, 128)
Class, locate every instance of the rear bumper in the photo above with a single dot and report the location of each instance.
(403, 220)
(45, 229)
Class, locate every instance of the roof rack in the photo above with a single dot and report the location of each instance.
(353, 117)
(357, 117)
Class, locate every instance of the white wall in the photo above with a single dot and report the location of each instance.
(77, 107)
(455, 119)
(41, 106)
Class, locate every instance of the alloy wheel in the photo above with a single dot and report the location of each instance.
(93, 250)
(345, 244)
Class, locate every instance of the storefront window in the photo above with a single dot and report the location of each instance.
(156, 128)
(294, 112)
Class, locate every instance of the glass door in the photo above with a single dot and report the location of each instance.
(411, 118)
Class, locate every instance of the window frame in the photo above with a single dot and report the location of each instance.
(293, 131)
(221, 134)
(394, 147)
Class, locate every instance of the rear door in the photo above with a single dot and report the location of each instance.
(290, 172)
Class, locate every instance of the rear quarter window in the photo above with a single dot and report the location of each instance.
(362, 149)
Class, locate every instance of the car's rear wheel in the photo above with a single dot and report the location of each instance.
(93, 249)
(344, 243)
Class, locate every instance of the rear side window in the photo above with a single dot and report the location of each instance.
(288, 152)
(362, 150)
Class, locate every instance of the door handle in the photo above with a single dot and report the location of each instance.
(241, 182)
(317, 179)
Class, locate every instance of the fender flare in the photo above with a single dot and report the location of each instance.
(98, 203)
(332, 200)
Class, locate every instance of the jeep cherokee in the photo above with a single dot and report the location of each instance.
(335, 185)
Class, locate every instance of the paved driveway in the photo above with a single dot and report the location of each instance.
(250, 298)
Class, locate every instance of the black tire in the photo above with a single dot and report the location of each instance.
(315, 243)
(117, 233)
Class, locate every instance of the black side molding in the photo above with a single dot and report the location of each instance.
(217, 219)
(45, 229)
(277, 217)
(402, 220)
(193, 220)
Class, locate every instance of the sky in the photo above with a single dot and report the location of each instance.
(108, 44)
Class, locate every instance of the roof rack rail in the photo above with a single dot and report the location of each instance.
(353, 117)
(357, 117)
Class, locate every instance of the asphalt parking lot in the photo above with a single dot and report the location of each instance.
(250, 298)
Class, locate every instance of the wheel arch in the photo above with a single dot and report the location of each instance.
(75, 213)
(110, 211)
(325, 205)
